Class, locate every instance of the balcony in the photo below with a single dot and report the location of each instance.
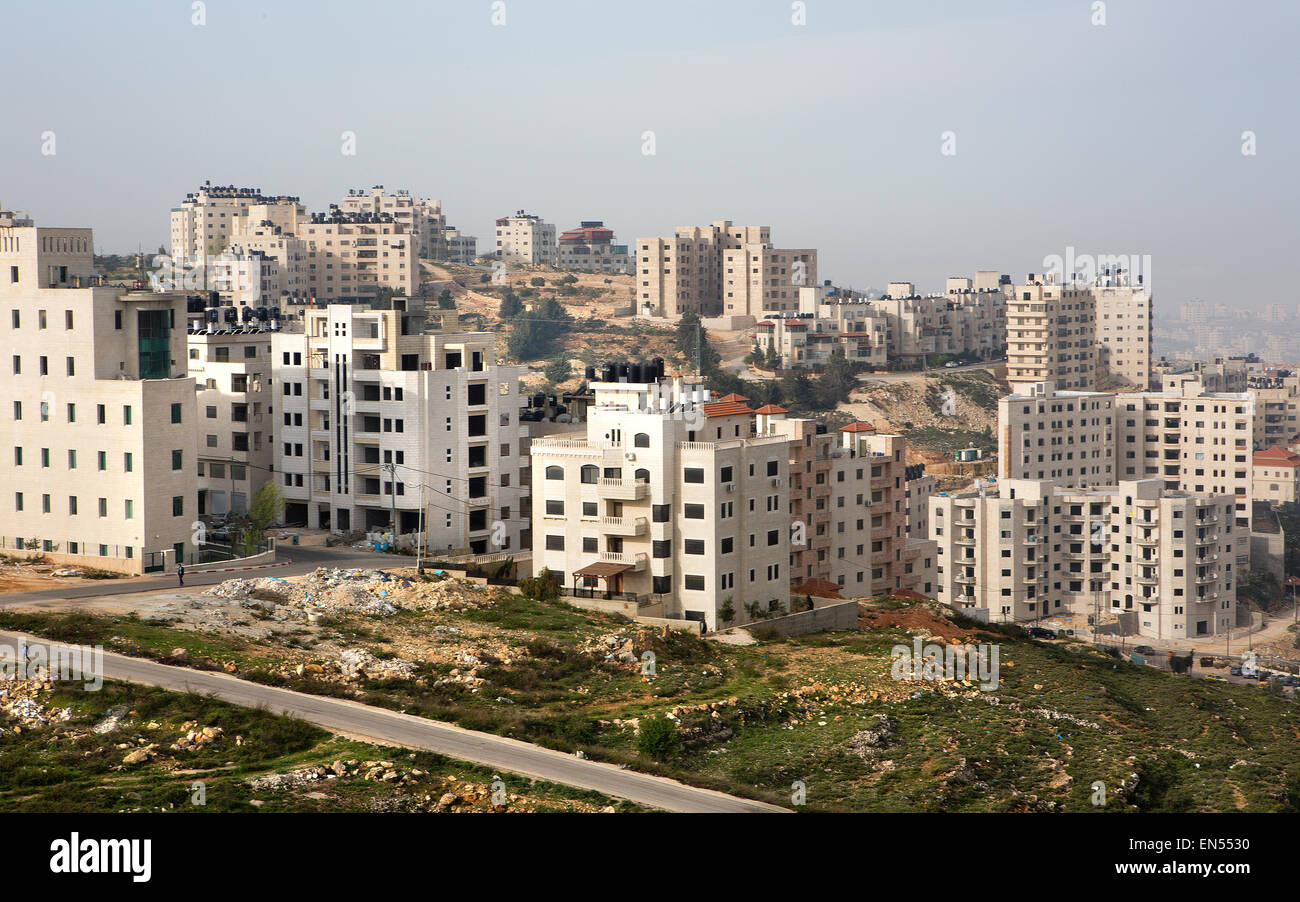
(637, 561)
(623, 526)
(623, 489)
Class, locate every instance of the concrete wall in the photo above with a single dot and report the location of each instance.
(842, 616)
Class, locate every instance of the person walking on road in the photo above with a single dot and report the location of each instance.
(180, 574)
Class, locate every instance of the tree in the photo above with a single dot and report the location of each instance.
(657, 737)
(693, 344)
(534, 332)
(557, 370)
(537, 281)
(511, 306)
(727, 612)
(267, 508)
(445, 300)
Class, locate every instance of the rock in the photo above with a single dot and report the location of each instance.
(139, 755)
(181, 654)
(448, 799)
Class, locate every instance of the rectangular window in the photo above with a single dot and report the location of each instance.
(554, 543)
(103, 507)
(178, 505)
(176, 413)
(177, 462)
(126, 415)
(693, 475)
(693, 511)
(695, 583)
(129, 509)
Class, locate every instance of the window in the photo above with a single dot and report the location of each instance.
(101, 415)
(177, 462)
(71, 364)
(693, 475)
(555, 472)
(590, 474)
(555, 508)
(176, 413)
(129, 508)
(590, 543)
(128, 462)
(641, 440)
(554, 543)
(103, 507)
(693, 546)
(695, 583)
(693, 511)
(178, 505)
(18, 501)
(102, 458)
(126, 415)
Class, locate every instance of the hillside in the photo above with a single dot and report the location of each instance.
(824, 710)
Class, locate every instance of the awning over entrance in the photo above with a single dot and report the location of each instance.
(602, 569)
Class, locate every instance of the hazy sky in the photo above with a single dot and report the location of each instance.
(1124, 138)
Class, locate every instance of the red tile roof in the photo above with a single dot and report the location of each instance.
(1277, 456)
(859, 427)
(771, 408)
(726, 409)
(734, 397)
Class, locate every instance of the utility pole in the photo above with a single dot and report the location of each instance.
(421, 538)
(392, 497)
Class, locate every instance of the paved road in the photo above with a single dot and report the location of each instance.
(409, 731)
(906, 375)
(302, 558)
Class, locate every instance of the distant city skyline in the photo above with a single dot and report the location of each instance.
(1122, 138)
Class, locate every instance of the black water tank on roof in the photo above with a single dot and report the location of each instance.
(589, 374)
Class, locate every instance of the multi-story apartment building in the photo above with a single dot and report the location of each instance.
(669, 503)
(378, 412)
(462, 249)
(1067, 437)
(230, 363)
(803, 341)
(524, 239)
(202, 225)
(1197, 442)
(1123, 336)
(98, 421)
(1275, 476)
(920, 485)
(1277, 408)
(422, 218)
(1079, 336)
(591, 248)
(720, 270)
(1051, 332)
(1159, 561)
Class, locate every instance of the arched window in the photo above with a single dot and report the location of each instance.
(590, 474)
(555, 472)
(643, 475)
(641, 440)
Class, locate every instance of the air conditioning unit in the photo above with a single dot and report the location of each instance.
(776, 482)
(729, 486)
(629, 456)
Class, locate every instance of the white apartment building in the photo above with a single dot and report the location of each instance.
(803, 341)
(462, 249)
(202, 225)
(423, 219)
(1275, 476)
(523, 239)
(1083, 337)
(1159, 562)
(230, 363)
(1066, 437)
(1123, 336)
(720, 270)
(1051, 332)
(344, 255)
(376, 411)
(591, 248)
(98, 419)
(1196, 442)
(671, 504)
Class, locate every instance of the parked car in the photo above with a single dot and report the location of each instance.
(1037, 632)
(1215, 678)
(1235, 670)
(1144, 650)
(951, 364)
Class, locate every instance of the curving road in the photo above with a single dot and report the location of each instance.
(414, 732)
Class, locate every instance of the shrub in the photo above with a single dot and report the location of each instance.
(658, 738)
